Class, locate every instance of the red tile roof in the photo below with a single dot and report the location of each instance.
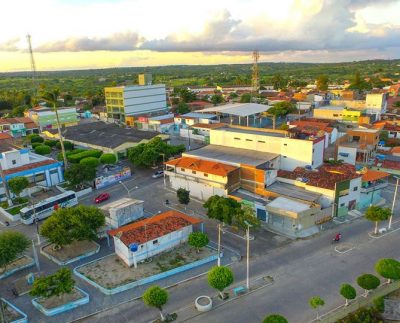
(154, 227)
(373, 175)
(205, 166)
(388, 164)
(5, 136)
(29, 166)
(324, 177)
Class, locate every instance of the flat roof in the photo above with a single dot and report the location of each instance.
(123, 202)
(248, 196)
(288, 204)
(330, 107)
(163, 117)
(197, 115)
(239, 109)
(364, 130)
(293, 191)
(253, 131)
(231, 155)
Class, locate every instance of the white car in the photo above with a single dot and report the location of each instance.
(158, 174)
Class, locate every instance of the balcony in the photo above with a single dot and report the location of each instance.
(378, 185)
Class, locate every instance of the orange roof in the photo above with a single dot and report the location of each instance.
(395, 150)
(373, 175)
(204, 166)
(154, 227)
(4, 136)
(209, 125)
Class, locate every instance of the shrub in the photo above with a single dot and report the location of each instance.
(388, 268)
(60, 282)
(35, 144)
(36, 138)
(275, 318)
(76, 158)
(50, 143)
(43, 150)
(379, 304)
(67, 145)
(368, 282)
(362, 315)
(90, 161)
(108, 159)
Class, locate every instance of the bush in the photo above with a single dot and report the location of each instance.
(90, 161)
(36, 138)
(379, 304)
(362, 315)
(69, 153)
(50, 143)
(43, 150)
(35, 144)
(76, 158)
(59, 283)
(67, 145)
(275, 318)
(108, 159)
(368, 282)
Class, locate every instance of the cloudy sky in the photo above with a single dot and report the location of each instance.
(73, 34)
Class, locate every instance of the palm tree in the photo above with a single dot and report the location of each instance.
(51, 98)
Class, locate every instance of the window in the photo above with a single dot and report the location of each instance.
(341, 205)
(335, 115)
(284, 157)
(249, 139)
(313, 150)
(261, 142)
(155, 241)
(182, 169)
(355, 188)
(193, 172)
(14, 161)
(236, 138)
(205, 175)
(285, 144)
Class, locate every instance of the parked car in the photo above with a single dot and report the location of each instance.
(158, 174)
(101, 198)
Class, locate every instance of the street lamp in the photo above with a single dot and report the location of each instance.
(248, 253)
(394, 201)
(164, 167)
(219, 245)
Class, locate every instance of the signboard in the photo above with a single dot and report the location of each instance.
(143, 119)
(104, 181)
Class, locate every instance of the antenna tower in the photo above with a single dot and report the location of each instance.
(255, 80)
(33, 66)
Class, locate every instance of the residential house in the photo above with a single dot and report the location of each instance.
(387, 163)
(45, 117)
(316, 129)
(147, 238)
(392, 128)
(191, 118)
(337, 113)
(373, 181)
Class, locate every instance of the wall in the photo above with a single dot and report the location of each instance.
(352, 153)
(352, 104)
(144, 99)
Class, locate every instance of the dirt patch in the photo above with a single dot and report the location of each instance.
(20, 262)
(10, 314)
(56, 301)
(71, 251)
(111, 271)
(394, 295)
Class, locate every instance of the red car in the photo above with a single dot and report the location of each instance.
(102, 197)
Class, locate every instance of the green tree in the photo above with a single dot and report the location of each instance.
(90, 161)
(388, 268)
(18, 184)
(36, 138)
(245, 98)
(278, 81)
(51, 98)
(280, 109)
(222, 208)
(246, 214)
(59, 283)
(322, 82)
(368, 282)
(42, 150)
(51, 143)
(157, 297)
(67, 225)
(186, 95)
(377, 214)
(217, 99)
(384, 136)
(79, 174)
(316, 302)
(12, 245)
(108, 159)
(220, 278)
(67, 145)
(182, 108)
(275, 318)
(183, 196)
(348, 292)
(198, 240)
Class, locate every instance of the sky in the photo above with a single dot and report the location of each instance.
(81, 34)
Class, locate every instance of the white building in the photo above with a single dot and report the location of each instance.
(376, 104)
(144, 239)
(122, 211)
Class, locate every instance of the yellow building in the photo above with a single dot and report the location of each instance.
(337, 113)
(114, 101)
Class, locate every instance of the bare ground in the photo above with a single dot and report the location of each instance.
(24, 260)
(10, 314)
(73, 250)
(111, 271)
(55, 301)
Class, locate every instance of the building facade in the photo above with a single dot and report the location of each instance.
(46, 118)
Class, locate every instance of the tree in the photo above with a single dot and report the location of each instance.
(322, 82)
(12, 244)
(275, 318)
(278, 81)
(217, 99)
(384, 136)
(182, 108)
(60, 282)
(377, 214)
(316, 302)
(348, 292)
(67, 225)
(43, 150)
(198, 240)
(220, 278)
(35, 138)
(67, 145)
(368, 282)
(246, 214)
(51, 98)
(157, 297)
(51, 143)
(245, 98)
(388, 268)
(90, 161)
(183, 196)
(108, 159)
(222, 208)
(280, 109)
(78, 174)
(18, 184)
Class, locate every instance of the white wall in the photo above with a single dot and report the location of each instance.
(19, 159)
(351, 159)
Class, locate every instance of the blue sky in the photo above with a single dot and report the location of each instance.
(84, 34)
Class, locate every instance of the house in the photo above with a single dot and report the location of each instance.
(202, 178)
(200, 131)
(387, 163)
(163, 123)
(314, 128)
(372, 183)
(337, 113)
(392, 128)
(45, 117)
(191, 118)
(126, 103)
(140, 240)
(100, 113)
(39, 170)
(199, 105)
(18, 127)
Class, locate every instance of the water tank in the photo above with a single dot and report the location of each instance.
(133, 247)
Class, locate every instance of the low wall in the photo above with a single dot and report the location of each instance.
(78, 193)
(10, 272)
(147, 280)
(184, 133)
(69, 261)
(62, 308)
(24, 318)
(9, 216)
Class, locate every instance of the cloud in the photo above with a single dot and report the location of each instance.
(116, 42)
(10, 45)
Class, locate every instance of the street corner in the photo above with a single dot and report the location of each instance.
(344, 248)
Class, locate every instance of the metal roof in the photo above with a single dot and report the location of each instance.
(238, 109)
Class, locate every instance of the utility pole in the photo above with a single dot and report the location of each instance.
(248, 255)
(33, 65)
(219, 245)
(255, 79)
(394, 202)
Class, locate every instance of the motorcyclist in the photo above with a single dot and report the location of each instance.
(338, 236)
